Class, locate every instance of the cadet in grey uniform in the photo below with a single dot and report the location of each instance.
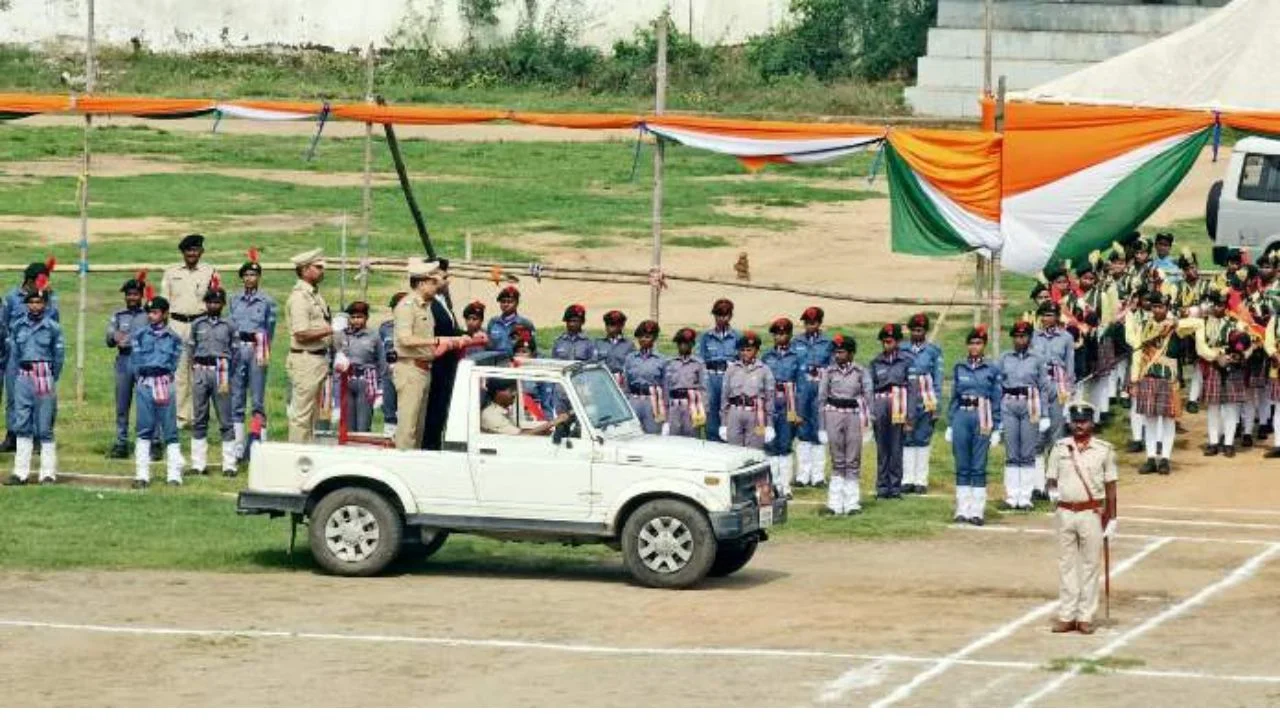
(572, 344)
(210, 347)
(119, 329)
(643, 372)
(366, 362)
(844, 404)
(746, 399)
(1024, 414)
(614, 347)
(686, 383)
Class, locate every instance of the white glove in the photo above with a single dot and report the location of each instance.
(724, 434)
(1044, 424)
(339, 323)
(770, 434)
(949, 436)
(1110, 530)
(995, 438)
(666, 428)
(823, 437)
(341, 363)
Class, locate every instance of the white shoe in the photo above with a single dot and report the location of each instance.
(389, 430)
(48, 462)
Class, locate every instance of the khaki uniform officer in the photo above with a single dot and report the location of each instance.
(415, 349)
(310, 335)
(1083, 469)
(184, 286)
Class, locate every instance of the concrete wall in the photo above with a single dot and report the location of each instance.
(186, 25)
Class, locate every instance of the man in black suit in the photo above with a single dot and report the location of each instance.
(443, 368)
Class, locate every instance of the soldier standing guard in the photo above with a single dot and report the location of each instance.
(1024, 385)
(502, 327)
(184, 286)
(1155, 371)
(37, 351)
(685, 379)
(614, 348)
(891, 382)
(926, 375)
(973, 426)
(119, 328)
(156, 349)
(717, 347)
(746, 402)
(361, 356)
(210, 347)
(784, 363)
(1057, 347)
(387, 332)
(14, 308)
(253, 317)
(844, 396)
(310, 334)
(816, 352)
(572, 344)
(1082, 471)
(643, 372)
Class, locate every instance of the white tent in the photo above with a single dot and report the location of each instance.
(1224, 62)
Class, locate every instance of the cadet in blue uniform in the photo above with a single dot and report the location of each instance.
(572, 344)
(253, 317)
(1057, 347)
(364, 360)
(156, 349)
(119, 328)
(501, 327)
(643, 372)
(210, 347)
(783, 361)
(973, 422)
(890, 377)
(613, 348)
(926, 375)
(387, 333)
(685, 379)
(13, 308)
(36, 351)
(717, 347)
(1024, 415)
(816, 352)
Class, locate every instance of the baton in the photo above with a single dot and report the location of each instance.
(1106, 574)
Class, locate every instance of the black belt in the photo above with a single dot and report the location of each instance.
(1017, 392)
(392, 357)
(152, 372)
(26, 366)
(717, 365)
(360, 369)
(968, 402)
(248, 337)
(205, 361)
(682, 394)
(125, 351)
(639, 389)
(742, 401)
(843, 403)
(185, 318)
(293, 351)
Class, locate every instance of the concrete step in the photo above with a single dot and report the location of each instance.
(1066, 46)
(949, 72)
(1073, 17)
(944, 102)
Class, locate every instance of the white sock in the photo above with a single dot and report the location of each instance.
(173, 466)
(818, 464)
(1168, 430)
(238, 429)
(923, 466)
(1214, 423)
(23, 450)
(1275, 422)
(1197, 384)
(199, 453)
(228, 456)
(962, 501)
(1135, 425)
(1152, 427)
(1011, 485)
(1037, 480)
(835, 494)
(979, 499)
(1230, 419)
(804, 459)
(48, 460)
(852, 494)
(785, 464)
(142, 460)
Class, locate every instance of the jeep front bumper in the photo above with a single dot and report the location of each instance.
(745, 519)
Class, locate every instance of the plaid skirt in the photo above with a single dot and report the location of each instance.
(1156, 397)
(1108, 358)
(1275, 389)
(1221, 388)
(1256, 371)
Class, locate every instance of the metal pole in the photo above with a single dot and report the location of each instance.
(986, 46)
(366, 203)
(342, 273)
(659, 107)
(89, 72)
(997, 299)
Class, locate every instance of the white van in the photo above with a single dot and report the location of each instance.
(1243, 210)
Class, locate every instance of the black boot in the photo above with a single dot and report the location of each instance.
(10, 442)
(1229, 451)
(1211, 450)
(1273, 453)
(1135, 446)
(1193, 407)
(1246, 441)
(1148, 467)
(119, 451)
(1164, 468)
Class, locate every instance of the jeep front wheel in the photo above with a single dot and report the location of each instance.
(733, 555)
(668, 544)
(355, 532)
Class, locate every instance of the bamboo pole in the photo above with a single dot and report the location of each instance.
(659, 158)
(997, 298)
(394, 146)
(366, 198)
(82, 309)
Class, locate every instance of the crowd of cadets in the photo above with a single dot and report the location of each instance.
(1144, 331)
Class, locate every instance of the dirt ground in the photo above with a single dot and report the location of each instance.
(960, 619)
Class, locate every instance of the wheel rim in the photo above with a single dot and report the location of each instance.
(351, 533)
(666, 545)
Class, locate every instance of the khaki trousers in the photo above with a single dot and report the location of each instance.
(412, 385)
(1079, 563)
(306, 377)
(182, 376)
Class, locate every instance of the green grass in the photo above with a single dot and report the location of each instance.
(695, 241)
(1092, 666)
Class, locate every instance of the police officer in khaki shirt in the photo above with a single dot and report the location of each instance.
(184, 286)
(1082, 471)
(311, 333)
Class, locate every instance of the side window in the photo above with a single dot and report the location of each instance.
(1260, 179)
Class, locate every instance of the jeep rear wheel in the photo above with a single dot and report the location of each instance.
(355, 532)
(668, 544)
(733, 555)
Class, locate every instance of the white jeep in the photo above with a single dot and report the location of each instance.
(1243, 209)
(678, 508)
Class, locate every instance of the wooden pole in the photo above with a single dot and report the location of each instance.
(366, 199)
(394, 146)
(997, 295)
(659, 152)
(90, 70)
(987, 11)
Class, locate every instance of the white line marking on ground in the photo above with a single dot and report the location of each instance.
(1198, 510)
(1124, 536)
(902, 692)
(976, 696)
(863, 676)
(1201, 523)
(1236, 576)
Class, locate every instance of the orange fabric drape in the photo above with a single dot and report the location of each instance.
(965, 166)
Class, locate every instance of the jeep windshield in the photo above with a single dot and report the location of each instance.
(603, 401)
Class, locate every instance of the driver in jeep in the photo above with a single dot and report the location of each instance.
(496, 416)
